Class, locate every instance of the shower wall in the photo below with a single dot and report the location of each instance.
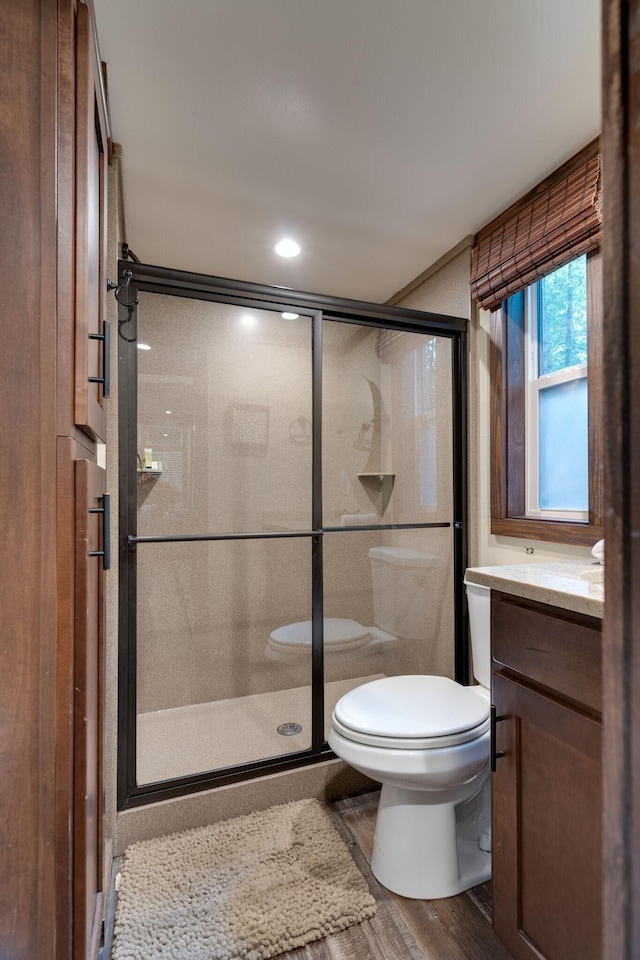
(234, 381)
(224, 403)
(412, 373)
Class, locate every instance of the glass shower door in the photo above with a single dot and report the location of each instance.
(291, 519)
(224, 543)
(388, 503)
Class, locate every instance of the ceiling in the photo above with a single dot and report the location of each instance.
(377, 133)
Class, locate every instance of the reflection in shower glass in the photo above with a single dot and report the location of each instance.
(392, 589)
(224, 416)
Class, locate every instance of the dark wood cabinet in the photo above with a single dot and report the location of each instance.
(91, 539)
(91, 348)
(547, 802)
(55, 140)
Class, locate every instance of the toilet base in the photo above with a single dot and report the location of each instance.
(426, 851)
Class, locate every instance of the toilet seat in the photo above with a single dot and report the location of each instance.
(339, 634)
(412, 713)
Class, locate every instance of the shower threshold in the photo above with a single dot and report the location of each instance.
(201, 737)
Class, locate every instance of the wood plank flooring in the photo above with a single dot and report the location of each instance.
(456, 928)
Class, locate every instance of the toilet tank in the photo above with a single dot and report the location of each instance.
(405, 589)
(479, 601)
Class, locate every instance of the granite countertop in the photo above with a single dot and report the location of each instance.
(572, 584)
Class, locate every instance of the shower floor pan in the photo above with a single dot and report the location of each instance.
(182, 741)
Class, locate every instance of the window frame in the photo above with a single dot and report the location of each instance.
(508, 367)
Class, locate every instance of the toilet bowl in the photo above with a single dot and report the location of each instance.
(426, 740)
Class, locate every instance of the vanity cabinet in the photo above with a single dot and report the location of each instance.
(546, 792)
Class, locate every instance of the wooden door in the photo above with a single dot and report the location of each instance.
(547, 875)
(88, 801)
(91, 351)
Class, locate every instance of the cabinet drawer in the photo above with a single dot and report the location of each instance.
(554, 648)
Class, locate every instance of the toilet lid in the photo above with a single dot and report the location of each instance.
(338, 632)
(408, 707)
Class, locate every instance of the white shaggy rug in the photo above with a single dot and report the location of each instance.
(245, 889)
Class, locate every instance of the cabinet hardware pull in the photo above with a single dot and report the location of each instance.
(105, 379)
(495, 755)
(105, 553)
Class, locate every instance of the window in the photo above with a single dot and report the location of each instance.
(556, 402)
(537, 267)
(546, 375)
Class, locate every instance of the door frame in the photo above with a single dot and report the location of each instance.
(621, 629)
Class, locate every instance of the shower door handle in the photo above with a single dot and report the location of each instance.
(494, 755)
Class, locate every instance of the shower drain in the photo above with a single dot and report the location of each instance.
(289, 729)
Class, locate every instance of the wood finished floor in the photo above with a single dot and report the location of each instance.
(457, 928)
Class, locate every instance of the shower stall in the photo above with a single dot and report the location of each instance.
(292, 519)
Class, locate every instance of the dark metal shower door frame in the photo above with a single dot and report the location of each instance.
(161, 280)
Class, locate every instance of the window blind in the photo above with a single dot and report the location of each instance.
(555, 222)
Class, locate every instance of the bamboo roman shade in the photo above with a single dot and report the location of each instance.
(555, 222)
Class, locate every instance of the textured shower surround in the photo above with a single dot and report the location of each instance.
(234, 461)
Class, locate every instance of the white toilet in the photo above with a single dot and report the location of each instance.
(426, 739)
(404, 585)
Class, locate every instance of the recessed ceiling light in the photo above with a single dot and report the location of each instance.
(165, 434)
(144, 346)
(167, 411)
(287, 248)
(290, 316)
(248, 320)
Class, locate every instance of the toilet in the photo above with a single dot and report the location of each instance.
(402, 579)
(426, 740)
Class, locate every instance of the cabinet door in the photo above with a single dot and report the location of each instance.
(88, 709)
(91, 179)
(547, 852)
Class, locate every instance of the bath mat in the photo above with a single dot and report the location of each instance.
(244, 889)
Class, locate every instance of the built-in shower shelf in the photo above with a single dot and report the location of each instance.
(376, 475)
(144, 475)
(378, 486)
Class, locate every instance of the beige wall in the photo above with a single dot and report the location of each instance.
(444, 288)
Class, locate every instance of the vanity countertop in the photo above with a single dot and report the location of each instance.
(573, 584)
